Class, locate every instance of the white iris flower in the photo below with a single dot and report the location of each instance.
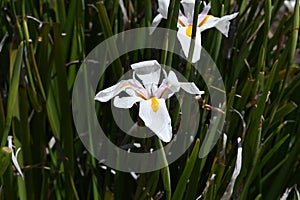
(150, 95)
(204, 21)
(185, 24)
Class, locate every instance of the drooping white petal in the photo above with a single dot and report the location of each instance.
(175, 85)
(222, 24)
(185, 42)
(148, 72)
(155, 115)
(155, 22)
(126, 102)
(191, 88)
(109, 93)
(163, 6)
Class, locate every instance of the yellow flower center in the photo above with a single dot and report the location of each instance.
(189, 30)
(154, 104)
(204, 20)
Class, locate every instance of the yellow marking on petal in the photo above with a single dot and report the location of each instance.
(189, 30)
(125, 85)
(154, 104)
(181, 22)
(204, 20)
(142, 96)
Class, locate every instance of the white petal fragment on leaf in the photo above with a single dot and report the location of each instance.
(237, 169)
(14, 155)
(156, 118)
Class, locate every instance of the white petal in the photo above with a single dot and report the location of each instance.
(172, 78)
(191, 88)
(188, 6)
(163, 6)
(204, 13)
(14, 155)
(290, 5)
(159, 122)
(173, 85)
(108, 93)
(237, 169)
(182, 20)
(186, 86)
(155, 22)
(162, 90)
(126, 102)
(185, 42)
(210, 23)
(222, 24)
(16, 164)
(9, 141)
(197, 48)
(147, 71)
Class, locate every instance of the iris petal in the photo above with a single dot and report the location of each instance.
(222, 24)
(188, 7)
(163, 6)
(126, 102)
(155, 22)
(109, 93)
(158, 121)
(185, 42)
(148, 72)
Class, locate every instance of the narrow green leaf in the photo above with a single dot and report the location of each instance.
(107, 30)
(2, 117)
(5, 159)
(183, 181)
(165, 173)
(13, 92)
